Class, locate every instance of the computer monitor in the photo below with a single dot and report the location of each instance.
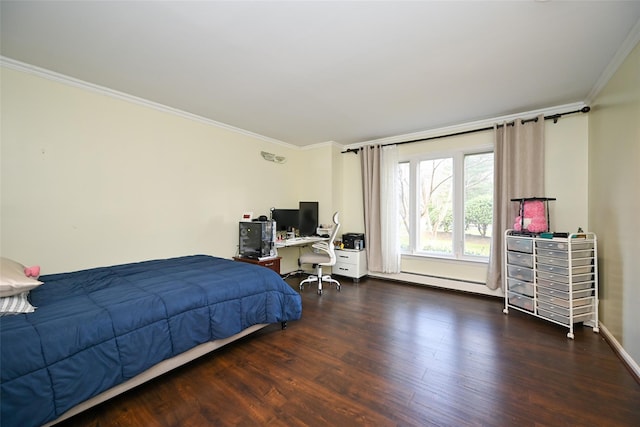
(286, 219)
(308, 218)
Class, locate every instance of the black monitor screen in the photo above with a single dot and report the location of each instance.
(308, 218)
(286, 219)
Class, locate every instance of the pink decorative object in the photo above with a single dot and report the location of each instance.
(32, 271)
(535, 220)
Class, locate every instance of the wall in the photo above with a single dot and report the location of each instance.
(89, 179)
(352, 202)
(567, 172)
(317, 173)
(614, 175)
(316, 179)
(566, 177)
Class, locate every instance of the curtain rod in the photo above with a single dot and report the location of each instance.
(553, 117)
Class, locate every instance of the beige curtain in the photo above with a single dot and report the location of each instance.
(518, 172)
(389, 240)
(370, 167)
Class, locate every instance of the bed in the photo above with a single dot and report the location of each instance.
(99, 332)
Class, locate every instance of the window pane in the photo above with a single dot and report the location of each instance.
(478, 203)
(404, 200)
(435, 206)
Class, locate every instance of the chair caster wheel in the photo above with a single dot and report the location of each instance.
(320, 292)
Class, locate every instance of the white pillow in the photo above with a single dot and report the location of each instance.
(16, 304)
(13, 280)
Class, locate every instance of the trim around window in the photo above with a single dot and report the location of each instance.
(432, 204)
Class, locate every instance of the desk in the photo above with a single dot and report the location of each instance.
(272, 262)
(290, 260)
(298, 241)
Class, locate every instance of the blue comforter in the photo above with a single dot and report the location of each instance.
(94, 329)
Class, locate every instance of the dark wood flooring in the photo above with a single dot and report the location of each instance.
(389, 354)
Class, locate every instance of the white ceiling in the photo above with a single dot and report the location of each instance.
(308, 72)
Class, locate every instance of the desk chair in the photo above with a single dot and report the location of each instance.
(323, 254)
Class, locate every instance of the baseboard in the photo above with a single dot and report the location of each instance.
(631, 364)
(440, 282)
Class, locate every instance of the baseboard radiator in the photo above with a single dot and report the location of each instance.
(440, 282)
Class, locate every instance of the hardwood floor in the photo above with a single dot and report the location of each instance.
(388, 354)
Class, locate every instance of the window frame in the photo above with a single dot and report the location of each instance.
(458, 156)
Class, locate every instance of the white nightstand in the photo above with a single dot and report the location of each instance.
(350, 263)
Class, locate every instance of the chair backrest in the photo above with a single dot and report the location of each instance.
(336, 226)
(332, 238)
(326, 245)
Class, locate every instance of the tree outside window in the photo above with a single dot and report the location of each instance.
(478, 203)
(436, 206)
(446, 205)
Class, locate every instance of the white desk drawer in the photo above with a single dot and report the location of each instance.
(347, 257)
(349, 270)
(350, 263)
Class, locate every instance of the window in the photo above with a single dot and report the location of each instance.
(446, 204)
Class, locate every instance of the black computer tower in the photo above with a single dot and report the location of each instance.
(256, 239)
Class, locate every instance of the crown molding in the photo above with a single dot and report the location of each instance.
(322, 145)
(623, 51)
(71, 81)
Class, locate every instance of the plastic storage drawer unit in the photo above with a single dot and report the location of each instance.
(520, 287)
(521, 259)
(552, 276)
(521, 301)
(525, 274)
(520, 244)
